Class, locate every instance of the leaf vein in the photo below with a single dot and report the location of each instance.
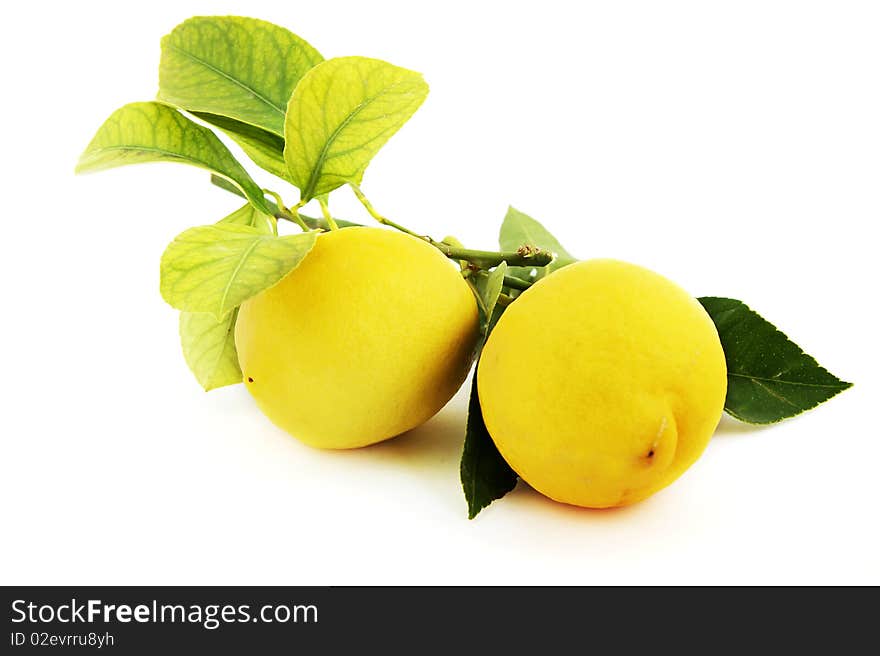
(234, 275)
(841, 386)
(239, 83)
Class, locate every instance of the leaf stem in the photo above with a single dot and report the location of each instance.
(325, 210)
(523, 256)
(294, 213)
(516, 283)
(383, 219)
(274, 194)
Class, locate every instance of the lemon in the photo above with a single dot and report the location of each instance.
(602, 383)
(367, 338)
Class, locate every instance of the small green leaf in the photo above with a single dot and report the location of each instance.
(152, 132)
(488, 287)
(519, 229)
(242, 68)
(248, 215)
(209, 348)
(340, 115)
(769, 377)
(216, 268)
(264, 148)
(485, 476)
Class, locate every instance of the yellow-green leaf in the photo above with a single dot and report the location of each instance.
(248, 215)
(216, 268)
(488, 287)
(519, 229)
(242, 68)
(209, 348)
(339, 116)
(152, 132)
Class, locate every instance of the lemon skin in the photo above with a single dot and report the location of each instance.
(367, 338)
(602, 383)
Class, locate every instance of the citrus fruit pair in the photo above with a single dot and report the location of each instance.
(599, 385)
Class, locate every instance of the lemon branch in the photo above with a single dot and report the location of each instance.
(524, 256)
(527, 256)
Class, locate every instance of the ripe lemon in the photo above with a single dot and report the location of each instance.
(602, 383)
(367, 338)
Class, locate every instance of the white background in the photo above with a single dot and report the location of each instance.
(734, 147)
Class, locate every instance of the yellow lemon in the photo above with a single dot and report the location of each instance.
(367, 338)
(602, 383)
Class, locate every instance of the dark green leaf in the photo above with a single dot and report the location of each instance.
(485, 476)
(224, 184)
(264, 148)
(769, 377)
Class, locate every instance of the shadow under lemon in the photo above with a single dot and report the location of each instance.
(432, 453)
(436, 444)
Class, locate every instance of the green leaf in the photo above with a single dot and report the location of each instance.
(242, 68)
(224, 184)
(769, 378)
(264, 148)
(208, 343)
(216, 268)
(340, 115)
(488, 286)
(209, 348)
(152, 132)
(248, 215)
(485, 475)
(519, 229)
